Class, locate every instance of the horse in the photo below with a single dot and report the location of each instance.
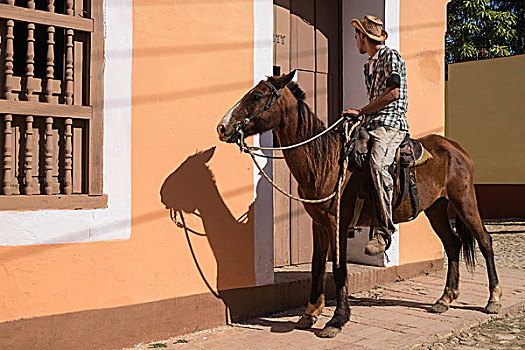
(278, 104)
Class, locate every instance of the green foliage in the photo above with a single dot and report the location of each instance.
(517, 7)
(479, 29)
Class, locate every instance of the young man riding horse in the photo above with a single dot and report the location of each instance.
(386, 85)
(313, 155)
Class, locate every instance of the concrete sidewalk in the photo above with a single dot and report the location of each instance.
(392, 316)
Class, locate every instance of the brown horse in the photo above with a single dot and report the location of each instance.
(278, 104)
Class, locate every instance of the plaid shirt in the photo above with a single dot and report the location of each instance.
(380, 70)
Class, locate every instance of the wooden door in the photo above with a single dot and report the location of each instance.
(307, 37)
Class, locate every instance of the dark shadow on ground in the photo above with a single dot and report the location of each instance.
(286, 326)
(371, 302)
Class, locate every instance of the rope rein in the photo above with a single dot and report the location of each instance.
(247, 149)
(337, 192)
(283, 148)
(348, 132)
(304, 200)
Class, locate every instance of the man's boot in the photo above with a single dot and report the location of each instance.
(380, 242)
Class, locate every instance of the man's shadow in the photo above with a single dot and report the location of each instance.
(191, 190)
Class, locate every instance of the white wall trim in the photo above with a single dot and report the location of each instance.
(392, 23)
(114, 222)
(392, 8)
(263, 193)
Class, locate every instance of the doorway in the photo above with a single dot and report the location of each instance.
(308, 38)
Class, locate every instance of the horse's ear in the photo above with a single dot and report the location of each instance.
(281, 81)
(205, 156)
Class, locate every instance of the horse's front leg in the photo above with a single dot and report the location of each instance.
(342, 311)
(316, 301)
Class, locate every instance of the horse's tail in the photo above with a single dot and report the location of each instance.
(467, 243)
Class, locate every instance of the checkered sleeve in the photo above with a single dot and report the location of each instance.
(393, 68)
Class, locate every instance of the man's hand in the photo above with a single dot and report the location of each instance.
(352, 114)
(350, 111)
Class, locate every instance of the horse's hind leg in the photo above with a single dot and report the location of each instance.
(437, 215)
(316, 302)
(466, 207)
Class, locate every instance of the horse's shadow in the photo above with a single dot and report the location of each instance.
(371, 302)
(191, 190)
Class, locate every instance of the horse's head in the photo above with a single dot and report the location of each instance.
(253, 113)
(190, 183)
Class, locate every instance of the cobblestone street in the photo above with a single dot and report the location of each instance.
(508, 332)
(508, 239)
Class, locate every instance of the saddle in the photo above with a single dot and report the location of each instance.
(410, 154)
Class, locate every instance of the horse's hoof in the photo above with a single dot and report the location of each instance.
(493, 307)
(329, 332)
(306, 321)
(438, 308)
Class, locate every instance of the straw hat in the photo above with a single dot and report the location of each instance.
(372, 27)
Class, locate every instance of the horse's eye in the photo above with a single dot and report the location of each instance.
(257, 97)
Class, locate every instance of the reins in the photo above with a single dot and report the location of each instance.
(248, 149)
(337, 192)
(283, 148)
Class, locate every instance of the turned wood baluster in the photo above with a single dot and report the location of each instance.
(51, 5)
(31, 82)
(69, 67)
(30, 56)
(8, 154)
(68, 163)
(69, 7)
(50, 63)
(31, 4)
(28, 189)
(49, 157)
(9, 52)
(11, 2)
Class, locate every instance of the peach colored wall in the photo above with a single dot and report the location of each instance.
(191, 61)
(422, 30)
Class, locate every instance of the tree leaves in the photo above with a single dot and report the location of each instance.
(479, 29)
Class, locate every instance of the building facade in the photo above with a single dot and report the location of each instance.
(108, 263)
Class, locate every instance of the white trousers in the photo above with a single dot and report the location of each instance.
(385, 141)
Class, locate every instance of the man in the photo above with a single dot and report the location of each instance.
(385, 80)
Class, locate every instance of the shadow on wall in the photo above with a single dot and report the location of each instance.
(191, 189)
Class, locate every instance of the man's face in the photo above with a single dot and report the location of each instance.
(360, 42)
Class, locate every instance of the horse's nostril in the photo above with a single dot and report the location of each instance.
(221, 129)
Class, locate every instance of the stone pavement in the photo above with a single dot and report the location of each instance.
(392, 316)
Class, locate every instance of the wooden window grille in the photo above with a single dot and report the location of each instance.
(51, 104)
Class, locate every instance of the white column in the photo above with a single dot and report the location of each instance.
(263, 194)
(392, 28)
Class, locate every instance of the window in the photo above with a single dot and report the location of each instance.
(51, 104)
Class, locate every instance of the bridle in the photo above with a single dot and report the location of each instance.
(273, 96)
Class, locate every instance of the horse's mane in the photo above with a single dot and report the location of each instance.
(324, 151)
